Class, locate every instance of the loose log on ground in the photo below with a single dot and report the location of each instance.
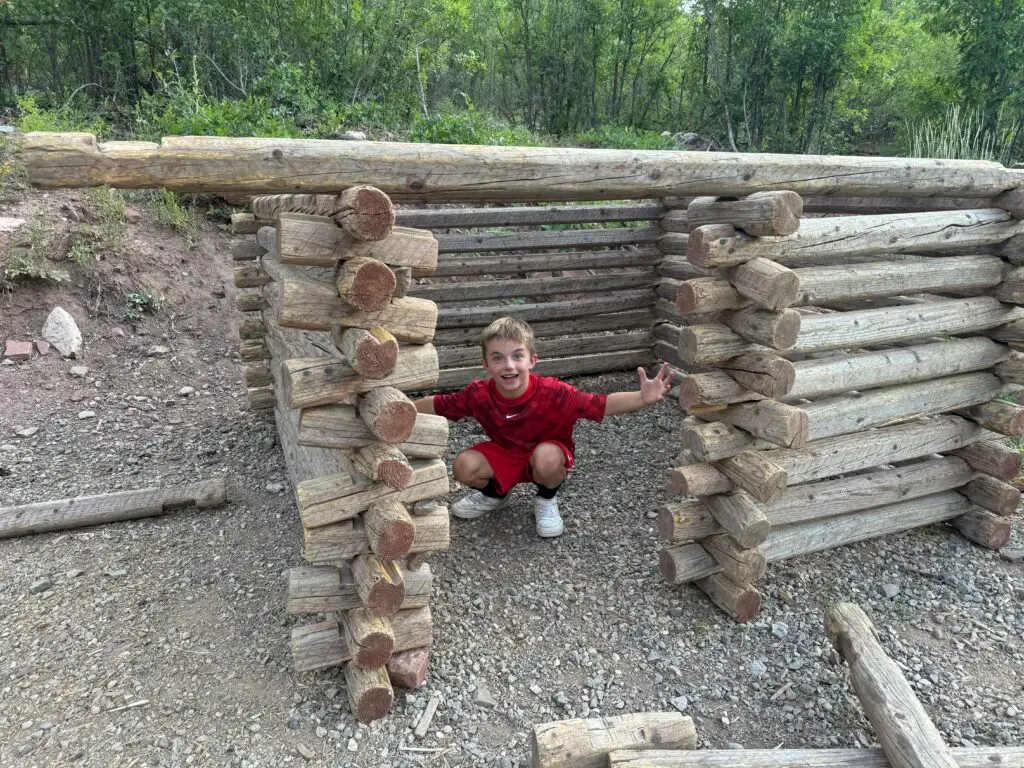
(999, 416)
(389, 414)
(486, 173)
(338, 543)
(843, 282)
(760, 214)
(250, 277)
(321, 380)
(408, 669)
(365, 283)
(82, 511)
(379, 583)
(973, 757)
(984, 528)
(741, 564)
(369, 638)
(316, 306)
(768, 284)
(369, 692)
(339, 426)
(586, 743)
(383, 463)
(708, 294)
(991, 457)
(993, 495)
(315, 241)
(332, 498)
(833, 375)
(326, 589)
(685, 520)
(889, 324)
(890, 405)
(740, 516)
(372, 352)
(846, 237)
(906, 733)
(740, 601)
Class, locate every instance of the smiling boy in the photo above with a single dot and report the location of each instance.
(529, 420)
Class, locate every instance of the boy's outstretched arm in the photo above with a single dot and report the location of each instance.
(651, 392)
(424, 404)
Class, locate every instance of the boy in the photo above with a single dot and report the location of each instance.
(529, 419)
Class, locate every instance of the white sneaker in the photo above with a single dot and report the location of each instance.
(549, 522)
(475, 504)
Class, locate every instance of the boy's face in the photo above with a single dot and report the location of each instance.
(509, 363)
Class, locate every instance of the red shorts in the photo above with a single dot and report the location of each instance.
(509, 468)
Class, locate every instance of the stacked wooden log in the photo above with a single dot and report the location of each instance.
(587, 288)
(343, 341)
(791, 447)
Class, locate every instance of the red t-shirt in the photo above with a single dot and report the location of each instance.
(547, 410)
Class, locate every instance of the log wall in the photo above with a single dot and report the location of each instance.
(823, 366)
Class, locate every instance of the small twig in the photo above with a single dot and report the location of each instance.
(84, 85)
(133, 705)
(227, 80)
(403, 748)
(775, 696)
(419, 79)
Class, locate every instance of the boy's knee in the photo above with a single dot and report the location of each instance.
(470, 468)
(548, 462)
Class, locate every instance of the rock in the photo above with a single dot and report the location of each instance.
(1012, 555)
(132, 214)
(694, 142)
(275, 487)
(74, 573)
(186, 391)
(352, 136)
(11, 224)
(61, 330)
(757, 668)
(733, 745)
(115, 573)
(680, 703)
(353, 745)
(889, 590)
(86, 414)
(780, 629)
(304, 752)
(40, 585)
(482, 698)
(42, 347)
(17, 350)
(157, 350)
(8, 129)
(27, 431)
(119, 332)
(79, 371)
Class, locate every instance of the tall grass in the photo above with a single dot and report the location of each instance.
(962, 134)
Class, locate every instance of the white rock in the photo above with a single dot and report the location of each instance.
(86, 414)
(10, 224)
(61, 330)
(79, 371)
(353, 136)
(186, 391)
(26, 432)
(157, 350)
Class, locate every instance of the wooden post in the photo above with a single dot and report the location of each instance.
(365, 283)
(383, 463)
(372, 352)
(389, 414)
(740, 601)
(907, 735)
(984, 528)
(993, 495)
(390, 530)
(586, 743)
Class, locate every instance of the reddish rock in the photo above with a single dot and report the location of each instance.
(18, 350)
(42, 347)
(408, 669)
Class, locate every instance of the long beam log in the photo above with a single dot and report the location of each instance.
(841, 238)
(484, 173)
(454, 266)
(445, 218)
(586, 743)
(874, 757)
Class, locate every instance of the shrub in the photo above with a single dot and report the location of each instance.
(24, 265)
(108, 206)
(167, 209)
(37, 117)
(468, 127)
(137, 304)
(619, 137)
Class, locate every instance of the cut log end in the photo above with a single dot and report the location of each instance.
(366, 283)
(374, 650)
(367, 213)
(394, 421)
(372, 353)
(373, 703)
(384, 599)
(395, 540)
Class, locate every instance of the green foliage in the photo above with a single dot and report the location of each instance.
(81, 253)
(623, 137)
(12, 171)
(961, 135)
(167, 209)
(138, 303)
(108, 206)
(468, 127)
(25, 265)
(37, 117)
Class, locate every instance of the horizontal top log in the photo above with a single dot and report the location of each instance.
(484, 173)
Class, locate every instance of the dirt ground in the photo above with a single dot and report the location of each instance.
(164, 642)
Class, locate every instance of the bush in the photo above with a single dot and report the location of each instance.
(619, 137)
(167, 209)
(37, 117)
(24, 265)
(137, 304)
(468, 127)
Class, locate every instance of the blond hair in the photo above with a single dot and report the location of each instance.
(511, 329)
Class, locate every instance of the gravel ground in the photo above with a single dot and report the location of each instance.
(163, 642)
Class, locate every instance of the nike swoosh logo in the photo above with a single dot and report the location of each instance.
(511, 415)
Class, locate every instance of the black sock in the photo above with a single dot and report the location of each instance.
(491, 490)
(547, 493)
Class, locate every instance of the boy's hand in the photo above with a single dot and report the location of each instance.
(653, 390)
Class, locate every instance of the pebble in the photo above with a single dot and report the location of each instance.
(757, 668)
(74, 573)
(889, 589)
(115, 573)
(157, 350)
(482, 698)
(79, 371)
(304, 752)
(41, 584)
(780, 629)
(353, 745)
(680, 703)
(186, 391)
(1012, 555)
(275, 487)
(86, 414)
(27, 431)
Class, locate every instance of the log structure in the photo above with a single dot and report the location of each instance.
(343, 342)
(815, 359)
